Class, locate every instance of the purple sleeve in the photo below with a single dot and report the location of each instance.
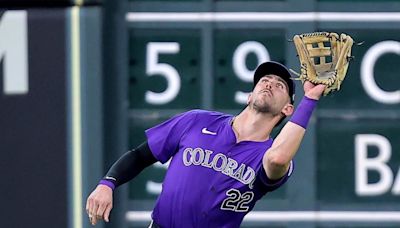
(163, 139)
(108, 183)
(271, 185)
(303, 112)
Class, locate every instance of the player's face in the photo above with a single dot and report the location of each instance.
(270, 95)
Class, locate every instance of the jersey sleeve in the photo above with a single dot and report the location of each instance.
(163, 139)
(271, 185)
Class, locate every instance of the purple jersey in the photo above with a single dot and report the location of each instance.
(212, 181)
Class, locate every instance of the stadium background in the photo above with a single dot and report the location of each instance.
(81, 80)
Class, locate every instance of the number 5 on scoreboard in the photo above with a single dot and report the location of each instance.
(155, 68)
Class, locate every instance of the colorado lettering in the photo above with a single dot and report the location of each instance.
(219, 163)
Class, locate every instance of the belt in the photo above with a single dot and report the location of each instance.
(154, 225)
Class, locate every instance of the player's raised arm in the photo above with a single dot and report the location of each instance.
(276, 161)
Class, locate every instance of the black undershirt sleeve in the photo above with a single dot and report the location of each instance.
(130, 165)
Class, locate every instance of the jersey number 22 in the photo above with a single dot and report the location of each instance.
(237, 201)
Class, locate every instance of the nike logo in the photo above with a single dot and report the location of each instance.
(207, 132)
(110, 178)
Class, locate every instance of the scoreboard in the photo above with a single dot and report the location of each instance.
(202, 54)
(166, 69)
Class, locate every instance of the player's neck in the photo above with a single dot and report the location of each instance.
(250, 126)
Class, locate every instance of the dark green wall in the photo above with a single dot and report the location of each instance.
(325, 175)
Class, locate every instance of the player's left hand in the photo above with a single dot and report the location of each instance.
(313, 91)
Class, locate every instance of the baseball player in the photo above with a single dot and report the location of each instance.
(220, 164)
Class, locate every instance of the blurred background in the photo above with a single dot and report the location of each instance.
(82, 79)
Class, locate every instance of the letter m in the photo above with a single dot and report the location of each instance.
(14, 52)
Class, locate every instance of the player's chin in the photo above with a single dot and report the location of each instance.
(262, 107)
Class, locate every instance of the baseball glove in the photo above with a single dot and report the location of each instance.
(324, 58)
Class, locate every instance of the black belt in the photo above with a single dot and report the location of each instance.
(154, 225)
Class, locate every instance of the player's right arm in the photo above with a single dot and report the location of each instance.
(128, 166)
(162, 143)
